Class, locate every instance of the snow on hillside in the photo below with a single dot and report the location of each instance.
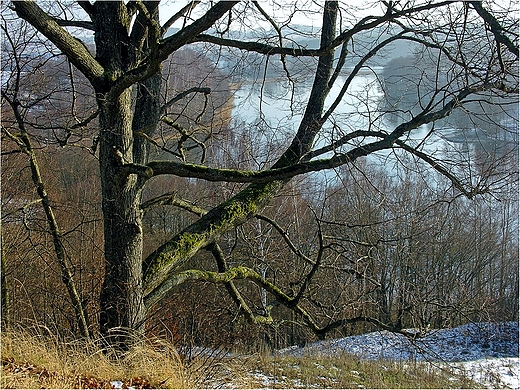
(464, 343)
(485, 352)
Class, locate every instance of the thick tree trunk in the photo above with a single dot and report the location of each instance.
(122, 291)
(121, 295)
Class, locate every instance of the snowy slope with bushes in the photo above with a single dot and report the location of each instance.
(485, 352)
(467, 342)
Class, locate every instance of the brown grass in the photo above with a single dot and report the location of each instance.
(333, 372)
(344, 371)
(38, 361)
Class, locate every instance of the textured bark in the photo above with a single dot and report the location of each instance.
(121, 294)
(121, 297)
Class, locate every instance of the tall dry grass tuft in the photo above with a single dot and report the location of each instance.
(39, 360)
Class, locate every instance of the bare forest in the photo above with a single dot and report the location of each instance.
(252, 175)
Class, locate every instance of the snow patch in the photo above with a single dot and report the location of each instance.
(468, 342)
(492, 373)
(487, 353)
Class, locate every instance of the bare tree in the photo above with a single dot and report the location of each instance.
(472, 44)
(20, 98)
(416, 256)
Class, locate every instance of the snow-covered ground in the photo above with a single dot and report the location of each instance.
(499, 373)
(485, 352)
(467, 342)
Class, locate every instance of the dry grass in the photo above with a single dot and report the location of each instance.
(348, 372)
(335, 372)
(38, 361)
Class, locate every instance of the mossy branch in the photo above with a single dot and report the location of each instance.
(245, 273)
(235, 294)
(171, 199)
(236, 273)
(161, 264)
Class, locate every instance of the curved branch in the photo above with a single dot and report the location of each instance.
(143, 134)
(71, 47)
(183, 94)
(243, 176)
(188, 33)
(496, 28)
(75, 23)
(261, 48)
(186, 9)
(343, 140)
(236, 273)
(288, 172)
(374, 321)
(286, 238)
(219, 256)
(442, 170)
(172, 200)
(355, 72)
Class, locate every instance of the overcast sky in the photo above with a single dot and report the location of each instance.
(307, 11)
(278, 10)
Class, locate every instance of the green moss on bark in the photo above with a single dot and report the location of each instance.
(221, 219)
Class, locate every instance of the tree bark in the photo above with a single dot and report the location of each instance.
(121, 295)
(162, 263)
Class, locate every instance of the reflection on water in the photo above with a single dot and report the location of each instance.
(277, 103)
(274, 106)
(272, 110)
